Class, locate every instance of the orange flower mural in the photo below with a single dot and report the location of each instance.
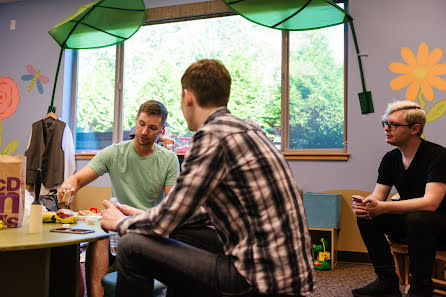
(9, 99)
(420, 75)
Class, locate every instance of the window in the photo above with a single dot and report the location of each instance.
(157, 56)
(316, 89)
(311, 93)
(95, 99)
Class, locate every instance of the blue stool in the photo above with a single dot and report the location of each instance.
(109, 284)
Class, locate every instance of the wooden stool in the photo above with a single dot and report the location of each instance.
(401, 256)
(109, 284)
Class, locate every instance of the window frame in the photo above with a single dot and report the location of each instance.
(203, 10)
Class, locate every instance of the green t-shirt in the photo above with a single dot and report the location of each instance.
(137, 181)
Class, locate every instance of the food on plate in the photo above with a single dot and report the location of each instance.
(65, 213)
(63, 216)
(88, 213)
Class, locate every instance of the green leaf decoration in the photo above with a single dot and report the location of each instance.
(11, 147)
(436, 111)
(100, 24)
(1, 129)
(293, 15)
(421, 100)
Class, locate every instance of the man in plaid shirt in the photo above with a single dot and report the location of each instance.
(246, 187)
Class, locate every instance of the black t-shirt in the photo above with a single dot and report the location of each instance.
(428, 165)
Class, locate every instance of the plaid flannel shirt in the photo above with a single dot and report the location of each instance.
(247, 188)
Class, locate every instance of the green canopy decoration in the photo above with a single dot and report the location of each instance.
(300, 15)
(99, 24)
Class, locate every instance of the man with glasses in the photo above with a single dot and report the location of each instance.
(417, 169)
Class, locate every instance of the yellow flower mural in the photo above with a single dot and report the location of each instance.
(420, 76)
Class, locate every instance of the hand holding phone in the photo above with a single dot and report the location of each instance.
(357, 198)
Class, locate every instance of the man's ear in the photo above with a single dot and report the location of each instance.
(189, 97)
(415, 129)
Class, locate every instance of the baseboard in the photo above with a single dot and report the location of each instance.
(356, 257)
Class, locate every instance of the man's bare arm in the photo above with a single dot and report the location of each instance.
(381, 192)
(432, 198)
(72, 184)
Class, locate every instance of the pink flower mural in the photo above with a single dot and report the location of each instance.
(9, 99)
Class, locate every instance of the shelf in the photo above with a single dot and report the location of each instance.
(331, 235)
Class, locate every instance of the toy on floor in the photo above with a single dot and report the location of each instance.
(322, 257)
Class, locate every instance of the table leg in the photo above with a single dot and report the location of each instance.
(25, 273)
(64, 272)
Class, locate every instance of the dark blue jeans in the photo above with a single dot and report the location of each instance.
(423, 231)
(187, 270)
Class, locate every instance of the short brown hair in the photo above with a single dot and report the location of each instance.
(414, 113)
(209, 81)
(153, 107)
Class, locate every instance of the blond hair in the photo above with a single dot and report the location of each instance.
(413, 111)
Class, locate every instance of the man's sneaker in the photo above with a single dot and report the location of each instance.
(379, 288)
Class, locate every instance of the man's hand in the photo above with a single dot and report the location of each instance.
(66, 188)
(128, 210)
(359, 208)
(111, 216)
(374, 207)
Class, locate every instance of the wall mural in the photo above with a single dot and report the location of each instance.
(419, 75)
(9, 99)
(36, 78)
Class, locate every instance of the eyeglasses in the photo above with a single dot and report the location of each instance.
(393, 126)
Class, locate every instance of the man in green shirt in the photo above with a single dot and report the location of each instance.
(141, 173)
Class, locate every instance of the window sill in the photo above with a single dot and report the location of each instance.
(85, 156)
(288, 156)
(317, 156)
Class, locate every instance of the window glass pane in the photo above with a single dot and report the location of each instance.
(95, 98)
(157, 56)
(316, 95)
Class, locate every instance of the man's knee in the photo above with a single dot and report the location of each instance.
(131, 244)
(98, 245)
(418, 221)
(97, 249)
(363, 223)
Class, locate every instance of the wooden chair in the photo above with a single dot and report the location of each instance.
(401, 256)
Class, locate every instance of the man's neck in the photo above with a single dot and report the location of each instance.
(410, 148)
(143, 150)
(203, 113)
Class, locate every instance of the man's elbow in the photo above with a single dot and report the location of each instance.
(431, 207)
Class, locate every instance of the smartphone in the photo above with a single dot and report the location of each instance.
(357, 198)
(72, 230)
